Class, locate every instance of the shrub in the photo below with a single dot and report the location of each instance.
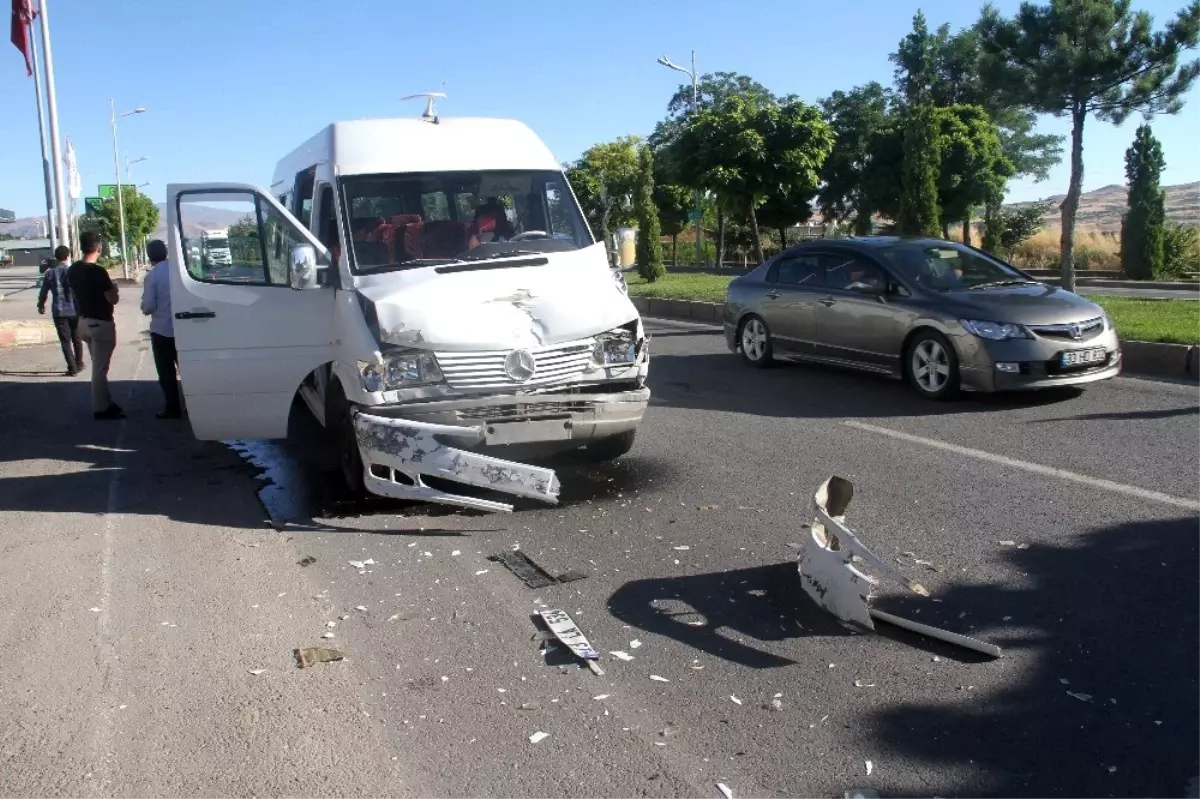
(1181, 251)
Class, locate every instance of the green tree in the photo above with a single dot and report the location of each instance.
(1142, 256)
(649, 251)
(919, 174)
(973, 169)
(1004, 231)
(141, 218)
(746, 152)
(854, 117)
(1080, 58)
(604, 179)
(246, 227)
(673, 204)
(711, 90)
(946, 68)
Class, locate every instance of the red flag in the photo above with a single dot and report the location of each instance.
(22, 16)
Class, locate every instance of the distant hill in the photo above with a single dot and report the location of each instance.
(1102, 209)
(199, 218)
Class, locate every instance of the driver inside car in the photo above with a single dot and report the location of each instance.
(491, 223)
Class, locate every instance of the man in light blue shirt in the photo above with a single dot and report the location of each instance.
(156, 303)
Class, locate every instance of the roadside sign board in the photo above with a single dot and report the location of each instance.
(108, 190)
(93, 205)
(693, 215)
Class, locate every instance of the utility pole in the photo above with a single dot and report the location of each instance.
(669, 64)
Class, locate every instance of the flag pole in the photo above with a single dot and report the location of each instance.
(60, 194)
(37, 88)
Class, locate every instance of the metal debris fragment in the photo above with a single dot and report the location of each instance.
(829, 577)
(312, 655)
(516, 561)
(1080, 697)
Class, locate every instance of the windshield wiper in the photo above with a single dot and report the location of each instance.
(994, 283)
(415, 262)
(505, 254)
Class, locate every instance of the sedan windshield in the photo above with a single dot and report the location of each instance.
(420, 219)
(949, 266)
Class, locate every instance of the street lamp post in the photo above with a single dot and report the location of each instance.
(137, 258)
(117, 169)
(666, 62)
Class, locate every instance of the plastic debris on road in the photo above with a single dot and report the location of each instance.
(724, 789)
(622, 655)
(327, 635)
(656, 678)
(829, 577)
(257, 672)
(362, 564)
(361, 608)
(310, 656)
(735, 700)
(1080, 697)
(538, 737)
(870, 767)
(634, 644)
(308, 560)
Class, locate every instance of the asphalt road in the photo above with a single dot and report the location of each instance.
(1092, 595)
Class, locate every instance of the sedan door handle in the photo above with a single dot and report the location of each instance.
(772, 294)
(827, 301)
(196, 315)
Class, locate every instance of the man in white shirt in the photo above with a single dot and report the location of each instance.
(156, 303)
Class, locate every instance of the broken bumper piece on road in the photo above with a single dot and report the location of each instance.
(396, 453)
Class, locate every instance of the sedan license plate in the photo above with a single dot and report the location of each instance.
(1083, 357)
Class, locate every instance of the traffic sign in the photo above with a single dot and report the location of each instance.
(693, 215)
(108, 191)
(93, 205)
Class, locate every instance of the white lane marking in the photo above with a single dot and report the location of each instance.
(1036, 468)
(102, 739)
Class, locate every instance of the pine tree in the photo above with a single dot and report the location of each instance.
(918, 213)
(649, 252)
(1142, 255)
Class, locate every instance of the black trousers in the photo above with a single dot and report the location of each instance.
(68, 337)
(166, 359)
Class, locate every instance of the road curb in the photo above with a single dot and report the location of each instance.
(25, 334)
(1140, 357)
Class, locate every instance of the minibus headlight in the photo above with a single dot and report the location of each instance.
(617, 347)
(400, 370)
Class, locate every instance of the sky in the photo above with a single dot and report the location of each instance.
(230, 86)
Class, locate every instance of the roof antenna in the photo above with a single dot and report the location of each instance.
(430, 114)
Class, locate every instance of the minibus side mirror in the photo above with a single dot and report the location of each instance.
(304, 267)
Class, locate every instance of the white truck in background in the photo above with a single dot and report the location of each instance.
(214, 248)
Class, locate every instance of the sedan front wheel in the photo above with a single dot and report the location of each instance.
(933, 366)
(755, 340)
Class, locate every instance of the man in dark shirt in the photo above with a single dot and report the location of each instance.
(62, 308)
(95, 296)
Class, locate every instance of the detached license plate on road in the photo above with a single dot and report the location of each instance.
(1083, 357)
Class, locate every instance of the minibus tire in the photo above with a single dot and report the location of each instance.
(344, 442)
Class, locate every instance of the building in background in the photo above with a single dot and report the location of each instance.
(25, 252)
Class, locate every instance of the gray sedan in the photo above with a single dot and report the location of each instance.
(939, 314)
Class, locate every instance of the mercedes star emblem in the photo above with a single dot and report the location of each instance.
(520, 365)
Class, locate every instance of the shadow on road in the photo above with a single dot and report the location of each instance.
(1113, 620)
(765, 603)
(300, 485)
(721, 382)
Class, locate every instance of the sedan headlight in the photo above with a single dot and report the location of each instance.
(993, 331)
(400, 370)
(617, 347)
